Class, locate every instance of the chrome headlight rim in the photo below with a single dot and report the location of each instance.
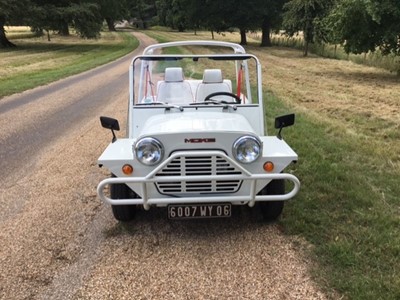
(140, 146)
(240, 142)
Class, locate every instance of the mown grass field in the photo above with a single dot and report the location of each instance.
(389, 62)
(36, 61)
(347, 136)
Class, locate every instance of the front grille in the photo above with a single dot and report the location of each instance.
(198, 166)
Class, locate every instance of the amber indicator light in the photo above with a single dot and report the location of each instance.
(268, 166)
(127, 169)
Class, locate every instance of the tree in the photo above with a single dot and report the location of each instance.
(178, 16)
(47, 15)
(243, 15)
(386, 13)
(196, 14)
(350, 25)
(143, 11)
(58, 15)
(4, 42)
(11, 13)
(113, 11)
(363, 26)
(302, 15)
(214, 16)
(270, 18)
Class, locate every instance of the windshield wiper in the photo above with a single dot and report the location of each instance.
(167, 105)
(218, 102)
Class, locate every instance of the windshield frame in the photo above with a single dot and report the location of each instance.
(146, 61)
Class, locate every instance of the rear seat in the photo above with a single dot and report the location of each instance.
(174, 89)
(213, 82)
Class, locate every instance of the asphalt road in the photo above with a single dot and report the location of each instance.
(57, 241)
(17, 149)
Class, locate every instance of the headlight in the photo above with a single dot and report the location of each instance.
(247, 149)
(149, 151)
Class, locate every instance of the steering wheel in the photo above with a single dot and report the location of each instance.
(238, 100)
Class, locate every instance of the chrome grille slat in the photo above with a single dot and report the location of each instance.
(198, 166)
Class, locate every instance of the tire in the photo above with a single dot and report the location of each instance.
(123, 213)
(271, 210)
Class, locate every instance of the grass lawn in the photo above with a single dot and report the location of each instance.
(35, 61)
(347, 135)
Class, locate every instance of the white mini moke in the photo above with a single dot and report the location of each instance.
(195, 138)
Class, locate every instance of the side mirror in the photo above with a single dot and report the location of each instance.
(284, 121)
(110, 123)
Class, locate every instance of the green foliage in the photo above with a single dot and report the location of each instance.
(11, 13)
(363, 26)
(87, 20)
(13, 10)
(390, 62)
(270, 14)
(359, 25)
(47, 15)
(352, 26)
(213, 15)
(113, 11)
(305, 15)
(143, 12)
(386, 14)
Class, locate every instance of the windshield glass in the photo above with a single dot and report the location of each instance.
(191, 79)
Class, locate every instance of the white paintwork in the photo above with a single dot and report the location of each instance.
(176, 126)
(195, 122)
(142, 114)
(237, 48)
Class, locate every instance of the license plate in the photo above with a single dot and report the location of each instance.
(198, 211)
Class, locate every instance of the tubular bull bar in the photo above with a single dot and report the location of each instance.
(147, 201)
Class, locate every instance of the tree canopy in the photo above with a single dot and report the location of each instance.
(359, 25)
(11, 12)
(363, 26)
(303, 16)
(58, 15)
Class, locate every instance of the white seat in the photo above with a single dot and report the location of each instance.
(174, 89)
(213, 82)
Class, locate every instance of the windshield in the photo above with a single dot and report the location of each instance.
(191, 79)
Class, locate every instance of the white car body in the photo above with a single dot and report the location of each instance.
(198, 162)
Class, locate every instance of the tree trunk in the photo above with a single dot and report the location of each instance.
(110, 24)
(48, 35)
(243, 39)
(305, 48)
(4, 42)
(64, 30)
(212, 34)
(306, 38)
(144, 24)
(266, 30)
